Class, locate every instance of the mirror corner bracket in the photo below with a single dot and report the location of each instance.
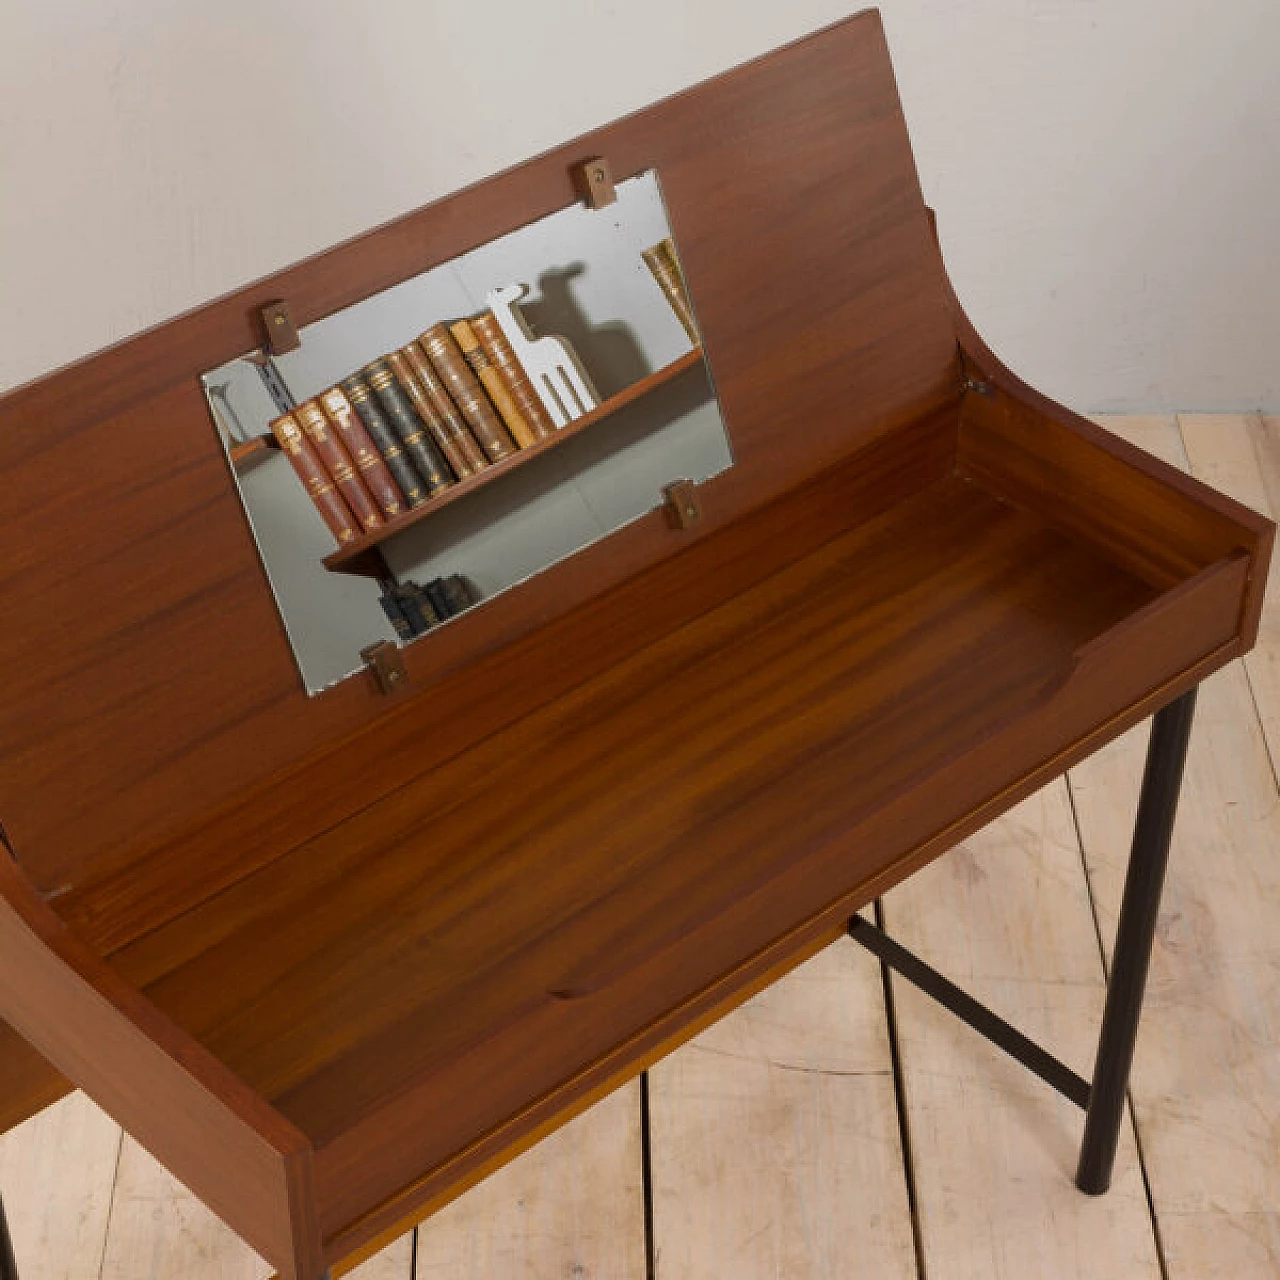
(281, 332)
(595, 182)
(386, 664)
(683, 506)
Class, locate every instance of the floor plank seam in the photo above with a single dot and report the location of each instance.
(111, 1208)
(1161, 1260)
(1257, 711)
(900, 1100)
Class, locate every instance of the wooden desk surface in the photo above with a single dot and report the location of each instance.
(555, 889)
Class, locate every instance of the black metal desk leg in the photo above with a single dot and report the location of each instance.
(8, 1267)
(1135, 934)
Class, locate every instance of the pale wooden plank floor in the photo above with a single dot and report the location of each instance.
(775, 1139)
(1206, 1080)
(774, 1136)
(1007, 917)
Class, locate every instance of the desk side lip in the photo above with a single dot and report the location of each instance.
(983, 371)
(147, 1073)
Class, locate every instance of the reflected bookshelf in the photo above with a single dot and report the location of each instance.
(363, 557)
(244, 453)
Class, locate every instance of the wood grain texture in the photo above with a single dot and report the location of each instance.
(288, 806)
(594, 911)
(1036, 655)
(1007, 916)
(175, 1096)
(587, 967)
(1206, 1081)
(1080, 479)
(632, 927)
(808, 147)
(59, 1177)
(775, 1136)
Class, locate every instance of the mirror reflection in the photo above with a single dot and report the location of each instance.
(435, 445)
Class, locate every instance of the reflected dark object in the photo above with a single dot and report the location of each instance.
(8, 1267)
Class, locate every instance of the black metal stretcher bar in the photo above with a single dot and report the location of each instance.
(1102, 1099)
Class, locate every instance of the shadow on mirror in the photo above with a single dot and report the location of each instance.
(617, 358)
(443, 441)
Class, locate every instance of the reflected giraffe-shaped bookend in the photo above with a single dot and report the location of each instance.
(553, 368)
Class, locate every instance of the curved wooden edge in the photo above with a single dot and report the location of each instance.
(984, 366)
(992, 384)
(215, 1134)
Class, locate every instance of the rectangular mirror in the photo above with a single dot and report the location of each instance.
(437, 444)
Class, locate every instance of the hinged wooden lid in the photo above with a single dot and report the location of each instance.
(149, 684)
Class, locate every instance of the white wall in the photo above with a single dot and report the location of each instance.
(1106, 172)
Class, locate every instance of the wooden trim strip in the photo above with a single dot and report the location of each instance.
(195, 1116)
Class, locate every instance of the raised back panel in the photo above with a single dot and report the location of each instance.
(149, 683)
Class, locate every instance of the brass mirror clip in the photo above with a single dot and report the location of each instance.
(683, 507)
(384, 660)
(282, 335)
(595, 182)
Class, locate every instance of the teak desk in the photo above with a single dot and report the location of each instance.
(615, 801)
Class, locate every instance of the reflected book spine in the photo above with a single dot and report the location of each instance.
(315, 479)
(392, 607)
(466, 391)
(495, 345)
(408, 426)
(416, 606)
(470, 346)
(385, 440)
(338, 463)
(460, 592)
(662, 261)
(437, 411)
(369, 464)
(439, 598)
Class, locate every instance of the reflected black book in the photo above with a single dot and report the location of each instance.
(459, 592)
(385, 440)
(418, 444)
(414, 609)
(417, 607)
(439, 600)
(396, 616)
